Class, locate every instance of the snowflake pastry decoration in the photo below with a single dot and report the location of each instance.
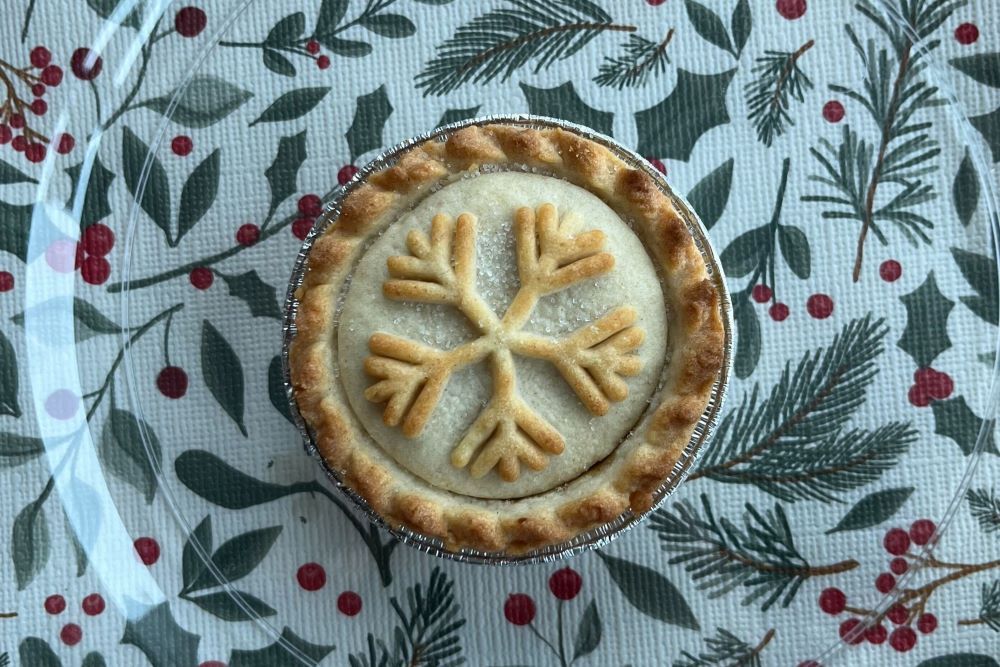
(411, 377)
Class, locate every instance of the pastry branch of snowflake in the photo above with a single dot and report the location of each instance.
(507, 433)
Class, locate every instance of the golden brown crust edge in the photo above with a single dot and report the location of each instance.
(695, 342)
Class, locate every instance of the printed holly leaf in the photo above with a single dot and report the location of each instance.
(15, 228)
(94, 206)
(564, 102)
(873, 509)
(953, 418)
(37, 653)
(258, 295)
(206, 100)
(162, 641)
(277, 63)
(455, 115)
(926, 332)
(370, 115)
(275, 390)
(9, 174)
(795, 249)
(223, 373)
(960, 660)
(94, 659)
(29, 542)
(983, 67)
(153, 195)
(106, 9)
(276, 655)
(293, 104)
(747, 336)
(588, 634)
(224, 606)
(89, 321)
(198, 194)
(8, 379)
(965, 190)
(650, 592)
(127, 443)
(287, 30)
(192, 565)
(671, 128)
(988, 125)
(282, 175)
(711, 194)
(16, 449)
(980, 271)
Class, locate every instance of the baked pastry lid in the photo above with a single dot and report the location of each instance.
(603, 534)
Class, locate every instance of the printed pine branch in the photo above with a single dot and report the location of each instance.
(426, 633)
(985, 508)
(892, 93)
(640, 58)
(725, 648)
(989, 610)
(721, 557)
(4, 660)
(792, 444)
(499, 42)
(779, 80)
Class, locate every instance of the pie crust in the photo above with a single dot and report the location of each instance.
(509, 439)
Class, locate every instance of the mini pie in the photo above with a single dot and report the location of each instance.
(505, 339)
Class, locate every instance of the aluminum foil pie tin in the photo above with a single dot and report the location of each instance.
(700, 437)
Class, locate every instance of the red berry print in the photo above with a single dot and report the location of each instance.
(301, 228)
(97, 239)
(181, 145)
(778, 312)
(95, 270)
(52, 75)
(71, 634)
(212, 663)
(921, 531)
(939, 385)
(78, 260)
(93, 604)
(66, 144)
(809, 663)
(323, 62)
(311, 576)
(38, 89)
(565, 584)
(248, 234)
(6, 281)
(655, 3)
(890, 270)
(39, 107)
(791, 9)
(172, 382)
(6, 134)
(761, 293)
(820, 306)
(55, 604)
(60, 255)
(61, 404)
(17, 121)
(312, 46)
(190, 21)
(832, 601)
(903, 639)
(833, 111)
(658, 165)
(202, 277)
(896, 541)
(897, 614)
(885, 582)
(346, 173)
(848, 626)
(349, 603)
(19, 143)
(86, 64)
(148, 550)
(967, 33)
(40, 57)
(877, 634)
(35, 152)
(898, 566)
(918, 396)
(519, 609)
(927, 623)
(310, 205)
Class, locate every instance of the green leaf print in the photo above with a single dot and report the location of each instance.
(650, 592)
(282, 176)
(9, 174)
(588, 634)
(954, 419)
(258, 295)
(223, 373)
(123, 450)
(980, 271)
(154, 198)
(15, 228)
(205, 101)
(276, 655)
(94, 205)
(8, 379)
(237, 557)
(873, 509)
(37, 653)
(982, 67)
(29, 540)
(370, 115)
(16, 449)
(161, 639)
(965, 190)
(926, 332)
(293, 104)
(198, 194)
(455, 115)
(711, 194)
(224, 606)
(563, 102)
(275, 389)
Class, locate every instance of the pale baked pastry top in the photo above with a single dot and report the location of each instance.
(624, 290)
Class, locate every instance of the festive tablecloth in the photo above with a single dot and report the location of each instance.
(144, 430)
